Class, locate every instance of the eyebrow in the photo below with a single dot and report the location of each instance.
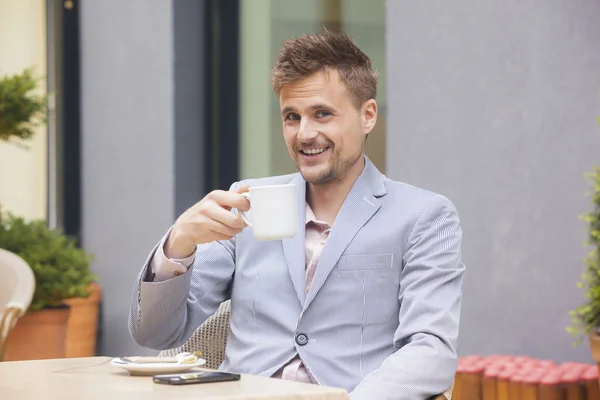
(315, 107)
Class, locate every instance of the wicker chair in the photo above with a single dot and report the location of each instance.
(211, 338)
(17, 284)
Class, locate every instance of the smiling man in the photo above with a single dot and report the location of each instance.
(366, 297)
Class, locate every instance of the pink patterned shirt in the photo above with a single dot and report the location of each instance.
(316, 234)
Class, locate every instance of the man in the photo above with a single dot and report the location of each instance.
(366, 297)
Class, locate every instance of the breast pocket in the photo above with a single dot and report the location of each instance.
(368, 285)
(365, 262)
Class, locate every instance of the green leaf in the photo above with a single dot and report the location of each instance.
(586, 317)
(61, 269)
(20, 109)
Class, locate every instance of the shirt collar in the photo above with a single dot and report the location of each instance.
(310, 217)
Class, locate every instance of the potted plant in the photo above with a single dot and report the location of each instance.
(586, 318)
(62, 271)
(58, 297)
(20, 109)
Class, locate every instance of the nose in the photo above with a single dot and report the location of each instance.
(306, 132)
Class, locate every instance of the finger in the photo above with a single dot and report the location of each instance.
(241, 189)
(230, 200)
(225, 217)
(223, 229)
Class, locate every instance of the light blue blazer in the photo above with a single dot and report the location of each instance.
(381, 318)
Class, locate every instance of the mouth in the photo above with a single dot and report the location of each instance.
(314, 152)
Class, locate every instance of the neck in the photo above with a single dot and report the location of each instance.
(326, 199)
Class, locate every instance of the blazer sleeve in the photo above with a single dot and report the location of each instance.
(425, 360)
(164, 315)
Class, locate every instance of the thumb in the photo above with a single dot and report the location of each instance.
(242, 189)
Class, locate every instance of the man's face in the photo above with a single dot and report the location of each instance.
(324, 131)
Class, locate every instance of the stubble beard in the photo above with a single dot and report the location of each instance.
(336, 169)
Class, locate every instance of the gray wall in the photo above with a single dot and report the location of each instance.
(494, 104)
(137, 98)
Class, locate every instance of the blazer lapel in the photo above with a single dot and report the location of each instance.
(294, 248)
(358, 208)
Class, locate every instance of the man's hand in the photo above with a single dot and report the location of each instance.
(206, 221)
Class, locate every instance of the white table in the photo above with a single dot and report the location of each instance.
(37, 380)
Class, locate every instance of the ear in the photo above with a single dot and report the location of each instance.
(369, 115)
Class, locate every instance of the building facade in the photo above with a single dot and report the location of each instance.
(494, 106)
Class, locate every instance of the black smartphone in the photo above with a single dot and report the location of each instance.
(196, 377)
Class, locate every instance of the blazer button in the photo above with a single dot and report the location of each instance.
(301, 339)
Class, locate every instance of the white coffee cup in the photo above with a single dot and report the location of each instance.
(273, 211)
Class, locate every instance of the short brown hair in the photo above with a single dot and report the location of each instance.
(307, 54)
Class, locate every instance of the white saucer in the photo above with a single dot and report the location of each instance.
(149, 369)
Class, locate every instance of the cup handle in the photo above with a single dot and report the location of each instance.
(243, 214)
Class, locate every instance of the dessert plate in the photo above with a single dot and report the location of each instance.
(154, 368)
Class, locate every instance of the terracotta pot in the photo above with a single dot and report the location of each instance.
(595, 346)
(83, 323)
(38, 335)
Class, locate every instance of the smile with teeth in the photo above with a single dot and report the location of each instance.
(314, 151)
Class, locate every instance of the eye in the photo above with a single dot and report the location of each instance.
(292, 117)
(322, 114)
